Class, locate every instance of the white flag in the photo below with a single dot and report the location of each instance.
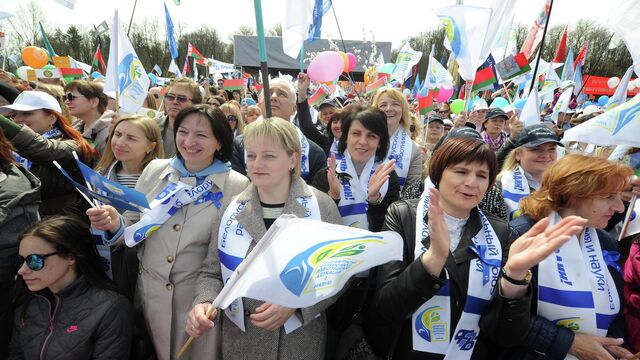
(407, 58)
(125, 74)
(562, 105)
(634, 221)
(297, 19)
(624, 22)
(300, 262)
(619, 126)
(530, 114)
(620, 96)
(500, 23)
(67, 3)
(173, 68)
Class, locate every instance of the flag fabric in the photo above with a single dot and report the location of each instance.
(173, 47)
(624, 22)
(582, 55)
(502, 12)
(513, 66)
(562, 105)
(561, 51)
(219, 67)
(195, 70)
(70, 74)
(530, 114)
(483, 79)
(319, 96)
(465, 29)
(619, 126)
(186, 69)
(406, 59)
(577, 78)
(45, 40)
(568, 70)
(195, 54)
(320, 8)
(297, 21)
(97, 63)
(233, 84)
(157, 69)
(67, 3)
(416, 84)
(173, 68)
(438, 75)
(620, 96)
(550, 83)
(374, 86)
(425, 104)
(535, 33)
(298, 272)
(125, 74)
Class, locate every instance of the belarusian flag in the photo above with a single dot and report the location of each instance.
(194, 53)
(374, 86)
(318, 97)
(425, 103)
(71, 74)
(523, 64)
(484, 78)
(98, 64)
(233, 84)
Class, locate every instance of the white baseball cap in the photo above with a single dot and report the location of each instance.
(480, 105)
(32, 100)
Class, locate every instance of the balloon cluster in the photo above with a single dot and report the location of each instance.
(34, 58)
(329, 65)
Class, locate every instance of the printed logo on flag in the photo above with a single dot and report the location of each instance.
(453, 33)
(571, 323)
(429, 326)
(324, 265)
(130, 71)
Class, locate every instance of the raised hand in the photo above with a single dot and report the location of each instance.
(105, 217)
(303, 86)
(271, 316)
(197, 321)
(332, 178)
(515, 126)
(378, 178)
(434, 258)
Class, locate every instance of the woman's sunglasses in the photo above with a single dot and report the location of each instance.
(181, 99)
(34, 262)
(232, 118)
(70, 97)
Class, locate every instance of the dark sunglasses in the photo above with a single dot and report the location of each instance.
(35, 262)
(232, 118)
(181, 99)
(70, 97)
(157, 96)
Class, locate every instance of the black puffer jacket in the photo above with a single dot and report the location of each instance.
(80, 322)
(403, 286)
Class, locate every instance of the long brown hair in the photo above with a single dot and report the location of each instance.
(6, 151)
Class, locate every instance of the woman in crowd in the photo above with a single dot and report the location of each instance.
(19, 200)
(186, 193)
(576, 297)
(253, 113)
(536, 150)
(493, 128)
(40, 134)
(430, 304)
(88, 104)
(401, 148)
(69, 308)
(273, 148)
(234, 117)
(181, 93)
(357, 178)
(334, 131)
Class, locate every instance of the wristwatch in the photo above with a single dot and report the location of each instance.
(525, 281)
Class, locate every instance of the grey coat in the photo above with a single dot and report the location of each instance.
(306, 342)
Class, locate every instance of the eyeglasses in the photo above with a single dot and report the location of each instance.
(70, 97)
(35, 262)
(181, 98)
(232, 118)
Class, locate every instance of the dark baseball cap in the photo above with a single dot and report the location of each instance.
(329, 102)
(462, 132)
(496, 112)
(538, 134)
(434, 118)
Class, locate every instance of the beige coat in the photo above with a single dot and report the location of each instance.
(172, 256)
(307, 342)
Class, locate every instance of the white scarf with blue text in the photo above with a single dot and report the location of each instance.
(430, 324)
(354, 190)
(575, 287)
(400, 148)
(514, 187)
(304, 156)
(233, 245)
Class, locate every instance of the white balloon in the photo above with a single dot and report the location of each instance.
(613, 82)
(21, 72)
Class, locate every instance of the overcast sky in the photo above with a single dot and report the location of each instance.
(389, 20)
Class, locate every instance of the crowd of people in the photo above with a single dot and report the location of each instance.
(508, 231)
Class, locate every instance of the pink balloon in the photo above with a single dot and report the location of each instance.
(326, 66)
(352, 61)
(444, 94)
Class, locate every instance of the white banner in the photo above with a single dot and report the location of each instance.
(219, 67)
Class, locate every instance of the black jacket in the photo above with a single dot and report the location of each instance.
(375, 213)
(317, 158)
(405, 285)
(80, 322)
(544, 339)
(309, 129)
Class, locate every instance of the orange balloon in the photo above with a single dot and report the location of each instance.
(35, 57)
(345, 60)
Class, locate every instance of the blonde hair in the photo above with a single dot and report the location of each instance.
(254, 110)
(227, 107)
(152, 133)
(278, 130)
(510, 162)
(395, 94)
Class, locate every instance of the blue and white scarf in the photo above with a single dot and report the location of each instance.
(575, 287)
(400, 149)
(431, 322)
(233, 246)
(515, 186)
(354, 190)
(26, 163)
(304, 156)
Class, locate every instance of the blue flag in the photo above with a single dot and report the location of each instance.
(170, 37)
(416, 85)
(319, 9)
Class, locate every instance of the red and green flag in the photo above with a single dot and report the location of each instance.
(97, 63)
(523, 64)
(233, 84)
(194, 53)
(70, 74)
(186, 69)
(425, 103)
(484, 78)
(319, 96)
(374, 86)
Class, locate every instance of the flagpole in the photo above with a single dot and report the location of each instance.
(544, 34)
(584, 83)
(333, 8)
(133, 12)
(257, 4)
